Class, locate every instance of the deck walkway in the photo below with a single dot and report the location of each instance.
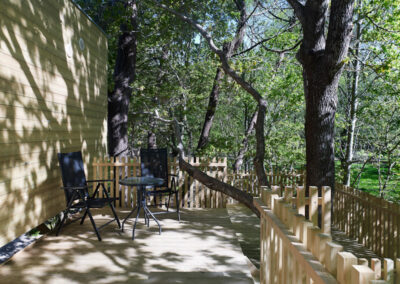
(247, 228)
(207, 246)
(202, 248)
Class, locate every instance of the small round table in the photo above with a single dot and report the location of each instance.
(141, 183)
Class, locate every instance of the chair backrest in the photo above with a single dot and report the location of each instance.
(72, 172)
(154, 163)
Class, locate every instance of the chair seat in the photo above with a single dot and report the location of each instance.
(160, 191)
(95, 202)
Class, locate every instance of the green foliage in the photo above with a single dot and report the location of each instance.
(175, 72)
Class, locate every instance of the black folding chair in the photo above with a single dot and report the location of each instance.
(76, 190)
(154, 163)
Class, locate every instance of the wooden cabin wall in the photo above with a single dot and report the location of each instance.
(53, 98)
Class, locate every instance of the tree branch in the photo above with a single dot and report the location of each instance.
(298, 9)
(221, 54)
(195, 25)
(265, 40)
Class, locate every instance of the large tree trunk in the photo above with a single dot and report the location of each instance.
(322, 60)
(124, 75)
(245, 143)
(212, 106)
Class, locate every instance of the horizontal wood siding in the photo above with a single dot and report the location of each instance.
(53, 98)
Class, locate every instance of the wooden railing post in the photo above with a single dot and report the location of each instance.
(313, 205)
(326, 210)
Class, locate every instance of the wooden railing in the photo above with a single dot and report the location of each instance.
(192, 194)
(372, 221)
(295, 250)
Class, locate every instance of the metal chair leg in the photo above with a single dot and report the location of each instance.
(83, 218)
(169, 200)
(177, 206)
(115, 215)
(93, 224)
(62, 222)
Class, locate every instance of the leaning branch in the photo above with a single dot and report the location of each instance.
(221, 54)
(218, 185)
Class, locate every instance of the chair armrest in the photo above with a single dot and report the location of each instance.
(75, 187)
(172, 175)
(100, 180)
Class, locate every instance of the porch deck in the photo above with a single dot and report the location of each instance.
(202, 248)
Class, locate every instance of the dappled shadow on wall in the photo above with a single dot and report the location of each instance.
(53, 98)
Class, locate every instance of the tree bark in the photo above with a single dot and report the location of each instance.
(322, 60)
(124, 75)
(151, 140)
(260, 144)
(245, 142)
(348, 159)
(212, 106)
(218, 185)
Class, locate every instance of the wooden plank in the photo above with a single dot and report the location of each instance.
(376, 266)
(361, 274)
(301, 200)
(313, 205)
(36, 28)
(15, 87)
(345, 262)
(30, 148)
(388, 270)
(313, 268)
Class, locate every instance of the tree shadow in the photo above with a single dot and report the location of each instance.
(202, 244)
(53, 99)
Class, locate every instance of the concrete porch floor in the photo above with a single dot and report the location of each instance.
(202, 248)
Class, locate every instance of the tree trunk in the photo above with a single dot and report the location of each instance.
(218, 185)
(322, 60)
(151, 140)
(348, 161)
(212, 106)
(260, 144)
(351, 128)
(124, 75)
(319, 130)
(239, 159)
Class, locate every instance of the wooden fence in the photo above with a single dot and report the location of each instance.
(293, 223)
(192, 194)
(372, 221)
(295, 250)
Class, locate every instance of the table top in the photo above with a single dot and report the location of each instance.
(132, 181)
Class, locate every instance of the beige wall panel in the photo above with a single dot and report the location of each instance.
(28, 24)
(53, 98)
(16, 89)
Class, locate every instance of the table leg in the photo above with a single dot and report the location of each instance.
(136, 220)
(145, 209)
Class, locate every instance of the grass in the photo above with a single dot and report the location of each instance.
(369, 180)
